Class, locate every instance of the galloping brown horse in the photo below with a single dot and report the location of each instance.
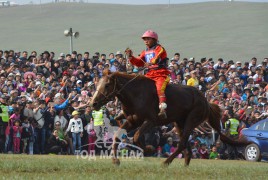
(187, 108)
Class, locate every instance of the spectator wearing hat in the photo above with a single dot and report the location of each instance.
(10, 77)
(79, 85)
(260, 107)
(118, 55)
(209, 76)
(115, 66)
(187, 76)
(18, 78)
(107, 66)
(193, 81)
(238, 64)
(232, 69)
(76, 128)
(246, 94)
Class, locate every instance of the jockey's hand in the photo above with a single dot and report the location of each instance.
(147, 65)
(129, 52)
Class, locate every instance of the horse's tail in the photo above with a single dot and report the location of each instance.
(215, 120)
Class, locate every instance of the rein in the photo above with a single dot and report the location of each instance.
(127, 83)
(114, 90)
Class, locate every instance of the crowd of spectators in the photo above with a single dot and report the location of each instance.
(45, 99)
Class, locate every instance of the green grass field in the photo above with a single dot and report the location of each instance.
(71, 167)
(236, 30)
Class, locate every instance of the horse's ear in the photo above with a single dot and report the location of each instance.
(106, 72)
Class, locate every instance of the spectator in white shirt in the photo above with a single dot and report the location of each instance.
(76, 128)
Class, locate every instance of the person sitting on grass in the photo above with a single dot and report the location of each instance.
(123, 147)
(214, 154)
(167, 147)
(55, 144)
(62, 136)
(203, 152)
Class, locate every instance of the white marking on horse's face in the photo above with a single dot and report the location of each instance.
(100, 87)
(100, 90)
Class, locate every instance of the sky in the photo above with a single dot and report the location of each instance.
(129, 1)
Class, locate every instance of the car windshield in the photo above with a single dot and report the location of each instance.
(263, 126)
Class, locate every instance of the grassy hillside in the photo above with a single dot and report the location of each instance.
(229, 30)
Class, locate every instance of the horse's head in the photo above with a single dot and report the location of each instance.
(105, 92)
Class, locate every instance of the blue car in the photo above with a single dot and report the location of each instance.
(258, 135)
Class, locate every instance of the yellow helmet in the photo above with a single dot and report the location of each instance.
(75, 113)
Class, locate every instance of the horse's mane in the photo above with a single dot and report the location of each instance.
(129, 76)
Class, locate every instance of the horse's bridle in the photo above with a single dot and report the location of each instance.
(107, 97)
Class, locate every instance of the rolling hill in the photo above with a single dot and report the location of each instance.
(237, 30)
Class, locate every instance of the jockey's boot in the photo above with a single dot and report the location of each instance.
(162, 114)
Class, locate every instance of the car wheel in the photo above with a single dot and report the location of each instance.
(252, 153)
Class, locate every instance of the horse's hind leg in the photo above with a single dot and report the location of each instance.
(187, 154)
(191, 122)
(187, 150)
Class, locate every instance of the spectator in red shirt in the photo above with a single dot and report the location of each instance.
(203, 152)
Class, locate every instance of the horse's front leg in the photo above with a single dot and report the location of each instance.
(119, 118)
(144, 128)
(128, 126)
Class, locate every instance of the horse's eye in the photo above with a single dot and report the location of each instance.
(107, 85)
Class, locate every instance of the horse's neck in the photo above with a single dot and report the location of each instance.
(127, 90)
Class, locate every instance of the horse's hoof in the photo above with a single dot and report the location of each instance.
(116, 162)
(166, 163)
